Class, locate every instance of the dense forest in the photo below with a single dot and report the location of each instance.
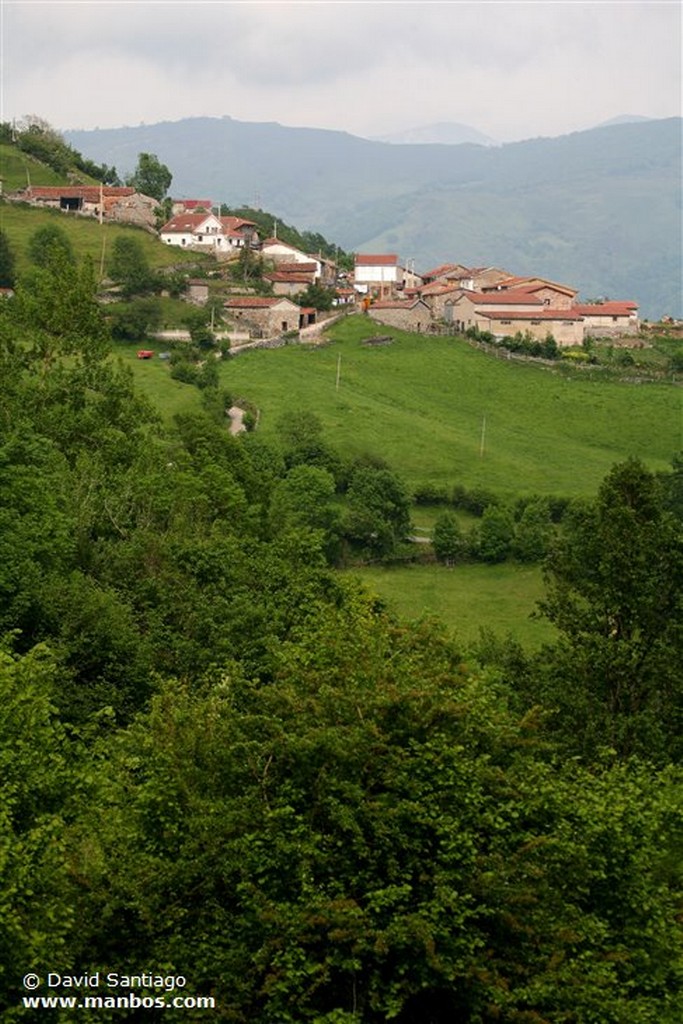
(222, 760)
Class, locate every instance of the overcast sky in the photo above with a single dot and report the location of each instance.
(512, 70)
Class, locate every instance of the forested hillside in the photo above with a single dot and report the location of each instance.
(221, 760)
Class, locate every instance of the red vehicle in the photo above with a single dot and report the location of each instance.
(145, 353)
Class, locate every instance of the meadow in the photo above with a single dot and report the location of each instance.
(465, 598)
(443, 413)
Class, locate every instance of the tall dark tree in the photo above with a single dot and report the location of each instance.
(7, 262)
(615, 592)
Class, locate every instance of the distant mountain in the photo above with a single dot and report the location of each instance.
(450, 133)
(597, 209)
(623, 119)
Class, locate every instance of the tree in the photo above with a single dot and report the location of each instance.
(496, 534)
(447, 539)
(533, 532)
(49, 243)
(378, 510)
(128, 265)
(7, 262)
(151, 177)
(615, 591)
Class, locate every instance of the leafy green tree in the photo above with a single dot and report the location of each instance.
(37, 780)
(447, 539)
(496, 534)
(316, 295)
(151, 177)
(7, 262)
(132, 321)
(615, 591)
(372, 835)
(50, 244)
(300, 433)
(128, 265)
(533, 532)
(378, 510)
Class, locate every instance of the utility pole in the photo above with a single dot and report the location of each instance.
(483, 437)
(338, 372)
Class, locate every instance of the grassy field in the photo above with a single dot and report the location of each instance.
(465, 598)
(430, 405)
(88, 237)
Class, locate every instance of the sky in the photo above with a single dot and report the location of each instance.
(513, 70)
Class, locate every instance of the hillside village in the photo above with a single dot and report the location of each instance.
(451, 296)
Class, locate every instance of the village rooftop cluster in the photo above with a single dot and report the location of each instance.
(491, 299)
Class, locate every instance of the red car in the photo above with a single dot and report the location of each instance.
(145, 353)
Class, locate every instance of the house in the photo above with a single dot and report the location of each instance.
(122, 204)
(467, 309)
(287, 283)
(265, 316)
(198, 291)
(558, 296)
(408, 315)
(206, 232)
(607, 319)
(378, 273)
(565, 325)
(191, 206)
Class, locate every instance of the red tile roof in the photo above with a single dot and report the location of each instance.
(442, 269)
(88, 193)
(395, 303)
(235, 223)
(290, 278)
(536, 314)
(183, 222)
(625, 308)
(381, 260)
(254, 301)
(297, 268)
(510, 298)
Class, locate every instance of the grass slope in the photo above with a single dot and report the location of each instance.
(88, 237)
(421, 404)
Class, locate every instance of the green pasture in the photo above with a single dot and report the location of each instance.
(153, 379)
(465, 598)
(19, 169)
(88, 237)
(441, 412)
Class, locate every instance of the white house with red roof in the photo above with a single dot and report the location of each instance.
(377, 272)
(209, 233)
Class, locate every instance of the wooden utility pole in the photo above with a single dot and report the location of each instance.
(338, 372)
(483, 437)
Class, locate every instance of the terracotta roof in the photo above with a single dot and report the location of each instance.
(254, 301)
(443, 268)
(395, 303)
(235, 223)
(439, 288)
(532, 314)
(297, 268)
(192, 204)
(625, 308)
(381, 260)
(281, 278)
(89, 193)
(510, 298)
(183, 222)
(530, 284)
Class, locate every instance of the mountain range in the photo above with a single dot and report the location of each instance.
(597, 209)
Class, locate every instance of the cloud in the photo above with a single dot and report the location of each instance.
(511, 69)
